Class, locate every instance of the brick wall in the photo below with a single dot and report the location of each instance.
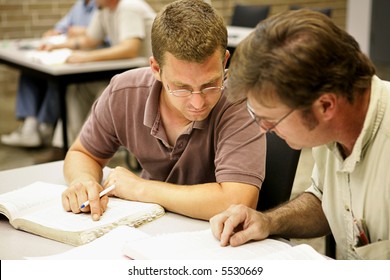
(30, 18)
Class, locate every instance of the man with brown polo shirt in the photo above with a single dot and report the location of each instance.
(199, 152)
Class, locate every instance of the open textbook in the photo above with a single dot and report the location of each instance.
(201, 245)
(37, 209)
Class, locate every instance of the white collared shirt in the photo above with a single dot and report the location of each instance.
(359, 186)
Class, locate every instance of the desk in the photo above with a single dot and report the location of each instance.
(64, 74)
(236, 34)
(15, 244)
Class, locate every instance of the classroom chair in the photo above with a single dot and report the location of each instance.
(249, 15)
(280, 169)
(325, 11)
(281, 165)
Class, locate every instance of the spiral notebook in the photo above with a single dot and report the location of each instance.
(37, 209)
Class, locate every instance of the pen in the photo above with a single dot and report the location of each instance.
(361, 234)
(103, 192)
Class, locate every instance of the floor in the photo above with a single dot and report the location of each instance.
(12, 157)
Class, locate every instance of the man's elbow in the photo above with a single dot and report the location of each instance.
(132, 53)
(247, 195)
(131, 48)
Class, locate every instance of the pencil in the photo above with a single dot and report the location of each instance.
(103, 192)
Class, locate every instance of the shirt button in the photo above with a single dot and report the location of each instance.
(346, 207)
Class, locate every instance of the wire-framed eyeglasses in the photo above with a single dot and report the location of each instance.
(187, 92)
(264, 123)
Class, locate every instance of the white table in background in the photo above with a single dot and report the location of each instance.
(12, 54)
(236, 34)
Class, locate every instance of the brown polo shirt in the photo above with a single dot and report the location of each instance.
(225, 147)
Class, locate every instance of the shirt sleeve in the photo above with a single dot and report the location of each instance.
(240, 147)
(98, 134)
(131, 24)
(316, 185)
(95, 29)
(63, 25)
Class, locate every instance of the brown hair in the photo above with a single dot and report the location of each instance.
(190, 30)
(298, 55)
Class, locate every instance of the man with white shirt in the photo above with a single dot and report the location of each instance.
(307, 80)
(37, 100)
(126, 25)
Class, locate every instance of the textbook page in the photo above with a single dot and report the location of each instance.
(298, 252)
(28, 199)
(201, 245)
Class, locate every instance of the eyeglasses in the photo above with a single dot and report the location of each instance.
(187, 92)
(263, 123)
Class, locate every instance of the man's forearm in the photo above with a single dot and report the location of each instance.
(300, 218)
(199, 201)
(79, 167)
(121, 51)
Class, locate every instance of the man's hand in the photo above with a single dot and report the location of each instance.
(46, 47)
(75, 31)
(79, 57)
(127, 184)
(239, 224)
(79, 192)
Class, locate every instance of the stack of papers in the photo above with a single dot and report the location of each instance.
(33, 44)
(54, 57)
(107, 247)
(202, 245)
(130, 243)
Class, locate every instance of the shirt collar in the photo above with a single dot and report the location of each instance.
(90, 6)
(374, 116)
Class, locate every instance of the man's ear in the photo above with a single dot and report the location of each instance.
(227, 55)
(155, 68)
(327, 105)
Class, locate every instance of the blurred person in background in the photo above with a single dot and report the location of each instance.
(37, 100)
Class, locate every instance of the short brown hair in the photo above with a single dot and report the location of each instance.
(190, 30)
(298, 55)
